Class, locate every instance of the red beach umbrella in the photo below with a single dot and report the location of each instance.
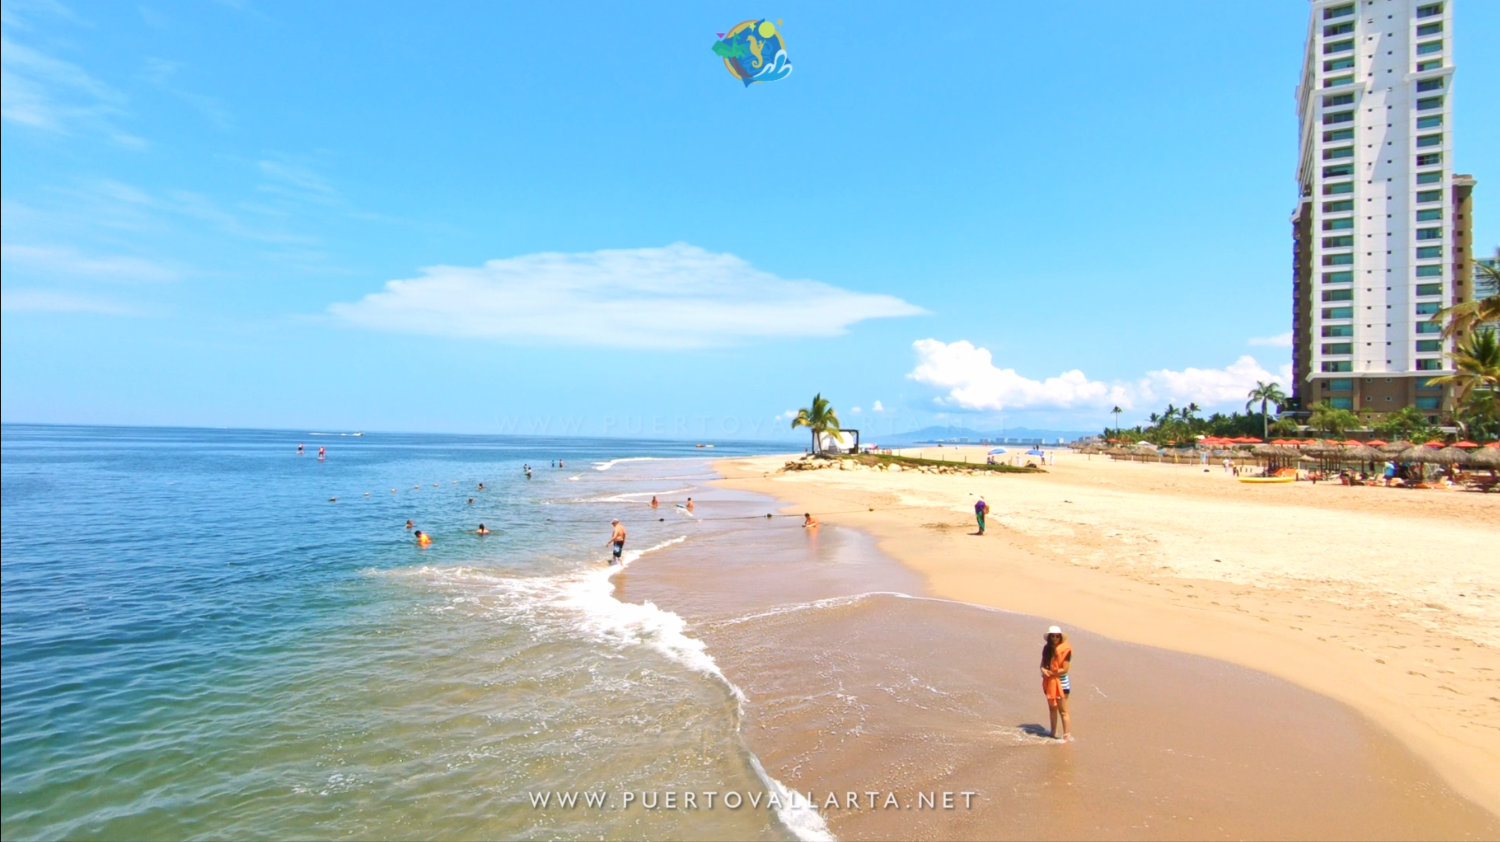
(1377, 442)
(1465, 444)
(1433, 443)
(1351, 443)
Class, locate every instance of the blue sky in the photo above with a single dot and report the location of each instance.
(569, 218)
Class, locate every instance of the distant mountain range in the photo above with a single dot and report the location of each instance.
(943, 434)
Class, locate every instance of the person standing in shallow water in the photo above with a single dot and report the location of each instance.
(1057, 659)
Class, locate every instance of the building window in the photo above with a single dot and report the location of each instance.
(1429, 365)
(1429, 403)
(1429, 10)
(1338, 11)
(1428, 289)
(1340, 134)
(1338, 312)
(1338, 295)
(1339, 152)
(1429, 233)
(1338, 29)
(1337, 64)
(1338, 347)
(1338, 242)
(1432, 271)
(1337, 188)
(1434, 28)
(1429, 48)
(1429, 177)
(1430, 159)
(1429, 252)
(1429, 85)
(1341, 403)
(1429, 214)
(1340, 224)
(1429, 195)
(1338, 277)
(1339, 46)
(1338, 260)
(1434, 121)
(1338, 207)
(1335, 81)
(1338, 330)
(1430, 140)
(1426, 103)
(1343, 365)
(1428, 327)
(1338, 99)
(1429, 346)
(1429, 64)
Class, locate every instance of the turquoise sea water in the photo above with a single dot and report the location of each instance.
(198, 641)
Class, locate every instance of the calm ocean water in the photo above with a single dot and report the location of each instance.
(199, 642)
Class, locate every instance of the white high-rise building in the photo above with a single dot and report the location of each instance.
(1382, 227)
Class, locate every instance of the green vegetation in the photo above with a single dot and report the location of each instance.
(820, 417)
(1266, 393)
(873, 459)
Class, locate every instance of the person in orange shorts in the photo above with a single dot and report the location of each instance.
(423, 539)
(1057, 659)
(808, 521)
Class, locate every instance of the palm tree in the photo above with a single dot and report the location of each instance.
(820, 418)
(1266, 393)
(1477, 360)
(1464, 318)
(1330, 420)
(1117, 410)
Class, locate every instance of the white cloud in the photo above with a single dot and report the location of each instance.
(877, 407)
(680, 296)
(854, 410)
(1280, 340)
(786, 416)
(36, 300)
(49, 94)
(63, 261)
(971, 381)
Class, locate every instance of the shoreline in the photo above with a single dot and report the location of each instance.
(1373, 597)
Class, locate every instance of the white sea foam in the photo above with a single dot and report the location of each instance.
(799, 816)
(794, 607)
(631, 497)
(604, 466)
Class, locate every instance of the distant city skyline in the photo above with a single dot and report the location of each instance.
(479, 218)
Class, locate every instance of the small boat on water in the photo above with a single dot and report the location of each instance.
(1263, 480)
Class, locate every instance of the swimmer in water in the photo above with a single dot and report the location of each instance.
(808, 521)
(481, 530)
(481, 486)
(299, 448)
(689, 506)
(409, 525)
(654, 504)
(423, 539)
(471, 501)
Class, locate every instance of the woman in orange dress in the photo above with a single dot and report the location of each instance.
(1057, 659)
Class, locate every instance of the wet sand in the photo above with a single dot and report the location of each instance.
(852, 688)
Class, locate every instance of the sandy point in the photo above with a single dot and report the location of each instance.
(1385, 599)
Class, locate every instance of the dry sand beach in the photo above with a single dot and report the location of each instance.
(1382, 599)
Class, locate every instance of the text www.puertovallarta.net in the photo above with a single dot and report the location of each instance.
(596, 799)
